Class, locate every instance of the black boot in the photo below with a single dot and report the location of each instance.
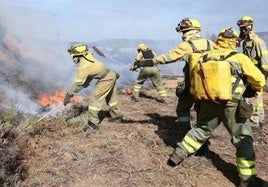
(134, 98)
(90, 125)
(176, 158)
(116, 119)
(203, 150)
(253, 182)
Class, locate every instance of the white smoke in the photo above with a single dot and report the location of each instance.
(18, 100)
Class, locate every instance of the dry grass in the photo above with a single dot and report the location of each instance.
(133, 153)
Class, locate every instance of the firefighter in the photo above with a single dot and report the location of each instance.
(192, 42)
(255, 48)
(212, 113)
(88, 68)
(153, 72)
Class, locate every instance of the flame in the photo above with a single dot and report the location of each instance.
(51, 100)
(127, 91)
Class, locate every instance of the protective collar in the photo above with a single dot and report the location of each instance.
(192, 34)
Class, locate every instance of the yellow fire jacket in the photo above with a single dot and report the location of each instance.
(255, 48)
(184, 48)
(88, 68)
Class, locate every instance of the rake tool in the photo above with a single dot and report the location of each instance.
(124, 65)
(101, 54)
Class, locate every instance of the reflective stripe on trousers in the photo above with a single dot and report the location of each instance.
(190, 144)
(162, 93)
(246, 167)
(113, 104)
(136, 89)
(93, 108)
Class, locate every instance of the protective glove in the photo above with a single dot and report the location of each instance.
(117, 75)
(67, 98)
(144, 63)
(249, 92)
(134, 68)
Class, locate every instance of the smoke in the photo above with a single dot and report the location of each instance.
(121, 53)
(18, 100)
(32, 67)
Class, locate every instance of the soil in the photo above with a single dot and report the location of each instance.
(132, 153)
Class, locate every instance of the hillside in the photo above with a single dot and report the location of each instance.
(54, 152)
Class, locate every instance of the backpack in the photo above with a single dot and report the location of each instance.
(185, 84)
(195, 50)
(211, 78)
(147, 54)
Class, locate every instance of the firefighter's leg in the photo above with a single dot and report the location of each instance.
(112, 101)
(93, 110)
(137, 87)
(109, 91)
(98, 97)
(198, 135)
(241, 133)
(157, 83)
(258, 115)
(185, 103)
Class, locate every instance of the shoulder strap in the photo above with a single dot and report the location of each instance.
(230, 54)
(206, 58)
(192, 46)
(195, 50)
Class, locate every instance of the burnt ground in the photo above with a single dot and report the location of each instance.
(55, 152)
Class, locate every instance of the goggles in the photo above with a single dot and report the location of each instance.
(229, 33)
(184, 24)
(243, 23)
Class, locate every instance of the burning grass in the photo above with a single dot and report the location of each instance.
(55, 151)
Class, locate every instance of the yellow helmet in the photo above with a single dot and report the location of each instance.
(187, 24)
(78, 50)
(245, 21)
(142, 47)
(228, 38)
(228, 33)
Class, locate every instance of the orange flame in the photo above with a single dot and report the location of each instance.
(51, 100)
(127, 91)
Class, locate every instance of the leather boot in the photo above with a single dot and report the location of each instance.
(252, 182)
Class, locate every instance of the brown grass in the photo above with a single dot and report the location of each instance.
(133, 153)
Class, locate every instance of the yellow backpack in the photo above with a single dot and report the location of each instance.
(211, 77)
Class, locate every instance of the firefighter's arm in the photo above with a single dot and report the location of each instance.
(87, 82)
(262, 55)
(75, 88)
(133, 68)
(253, 75)
(139, 56)
(144, 63)
(173, 55)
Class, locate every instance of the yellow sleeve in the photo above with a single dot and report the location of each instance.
(174, 54)
(139, 56)
(254, 76)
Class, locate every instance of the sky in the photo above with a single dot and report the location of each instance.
(42, 30)
(89, 21)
